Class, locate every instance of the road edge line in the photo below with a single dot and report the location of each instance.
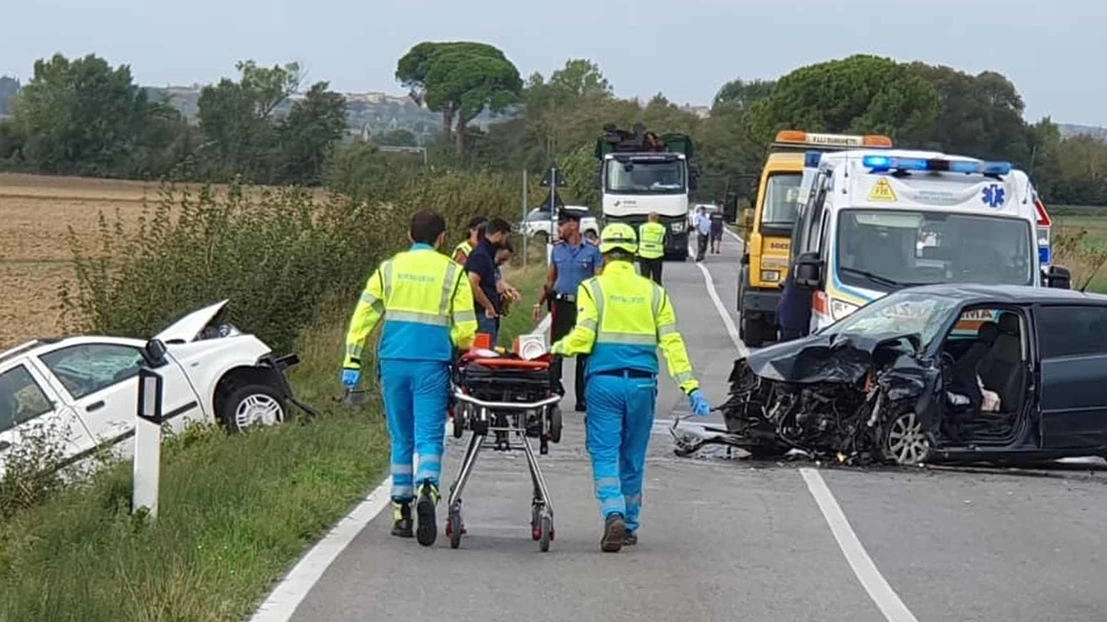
(281, 602)
(859, 561)
(712, 293)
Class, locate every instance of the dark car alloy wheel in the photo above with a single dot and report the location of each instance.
(905, 441)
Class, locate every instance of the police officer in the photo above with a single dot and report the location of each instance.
(651, 247)
(572, 261)
(476, 232)
(622, 318)
(427, 305)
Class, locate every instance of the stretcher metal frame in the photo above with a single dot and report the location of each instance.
(505, 420)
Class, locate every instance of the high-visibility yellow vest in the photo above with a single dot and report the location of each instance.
(427, 305)
(622, 318)
(651, 240)
(464, 249)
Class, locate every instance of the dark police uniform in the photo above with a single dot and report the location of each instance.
(573, 264)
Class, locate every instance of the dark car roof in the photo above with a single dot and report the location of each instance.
(1014, 294)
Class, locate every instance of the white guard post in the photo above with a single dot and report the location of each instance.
(147, 460)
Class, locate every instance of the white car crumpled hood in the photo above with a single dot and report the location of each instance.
(188, 327)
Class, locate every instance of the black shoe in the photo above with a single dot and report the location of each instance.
(581, 407)
(401, 519)
(631, 539)
(614, 534)
(427, 530)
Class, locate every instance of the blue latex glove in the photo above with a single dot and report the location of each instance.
(350, 377)
(700, 407)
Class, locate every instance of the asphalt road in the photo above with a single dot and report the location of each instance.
(724, 539)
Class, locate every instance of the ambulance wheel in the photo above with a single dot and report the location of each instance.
(547, 533)
(454, 529)
(555, 425)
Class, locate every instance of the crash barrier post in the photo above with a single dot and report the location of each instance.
(147, 454)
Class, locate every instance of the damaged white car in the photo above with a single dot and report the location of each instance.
(82, 392)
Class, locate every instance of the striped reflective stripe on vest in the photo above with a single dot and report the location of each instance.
(608, 336)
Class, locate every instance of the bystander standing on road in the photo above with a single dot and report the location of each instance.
(716, 230)
(481, 267)
(703, 232)
(573, 260)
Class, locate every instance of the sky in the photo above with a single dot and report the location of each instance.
(685, 49)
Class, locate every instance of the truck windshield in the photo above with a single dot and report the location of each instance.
(781, 199)
(889, 249)
(658, 177)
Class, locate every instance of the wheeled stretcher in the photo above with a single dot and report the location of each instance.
(501, 399)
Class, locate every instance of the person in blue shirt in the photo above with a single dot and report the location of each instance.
(703, 232)
(481, 268)
(573, 260)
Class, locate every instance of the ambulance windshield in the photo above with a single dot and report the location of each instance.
(781, 199)
(886, 250)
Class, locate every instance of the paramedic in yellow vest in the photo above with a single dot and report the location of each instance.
(622, 318)
(426, 304)
(651, 248)
(476, 232)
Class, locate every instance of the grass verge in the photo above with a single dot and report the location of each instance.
(235, 511)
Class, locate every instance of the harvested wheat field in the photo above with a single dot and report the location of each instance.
(35, 214)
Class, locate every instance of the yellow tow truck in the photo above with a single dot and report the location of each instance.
(764, 263)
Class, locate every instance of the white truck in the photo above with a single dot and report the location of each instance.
(640, 173)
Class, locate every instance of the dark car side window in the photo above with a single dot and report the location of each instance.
(21, 398)
(1071, 330)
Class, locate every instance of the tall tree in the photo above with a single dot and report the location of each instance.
(740, 95)
(460, 80)
(80, 116)
(308, 133)
(237, 120)
(8, 88)
(858, 94)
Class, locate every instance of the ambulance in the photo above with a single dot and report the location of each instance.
(764, 261)
(871, 222)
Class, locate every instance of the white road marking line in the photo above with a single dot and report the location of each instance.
(290, 592)
(731, 329)
(863, 567)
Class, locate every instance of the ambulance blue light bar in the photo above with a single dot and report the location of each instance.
(881, 163)
(811, 159)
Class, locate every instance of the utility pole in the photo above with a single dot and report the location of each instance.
(553, 180)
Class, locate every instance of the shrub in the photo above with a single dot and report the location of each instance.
(275, 254)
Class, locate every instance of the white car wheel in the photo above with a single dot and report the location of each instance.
(253, 405)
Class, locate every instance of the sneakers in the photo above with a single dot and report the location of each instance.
(630, 539)
(401, 519)
(427, 530)
(614, 534)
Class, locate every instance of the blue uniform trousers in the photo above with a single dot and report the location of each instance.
(416, 395)
(619, 422)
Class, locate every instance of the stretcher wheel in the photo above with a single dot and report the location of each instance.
(546, 527)
(454, 529)
(535, 523)
(459, 424)
(555, 425)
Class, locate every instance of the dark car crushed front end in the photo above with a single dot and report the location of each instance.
(851, 398)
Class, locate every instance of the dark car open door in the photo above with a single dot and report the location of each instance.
(1072, 348)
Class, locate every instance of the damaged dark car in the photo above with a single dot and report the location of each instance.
(931, 374)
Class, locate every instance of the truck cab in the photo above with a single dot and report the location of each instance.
(875, 222)
(641, 173)
(765, 259)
